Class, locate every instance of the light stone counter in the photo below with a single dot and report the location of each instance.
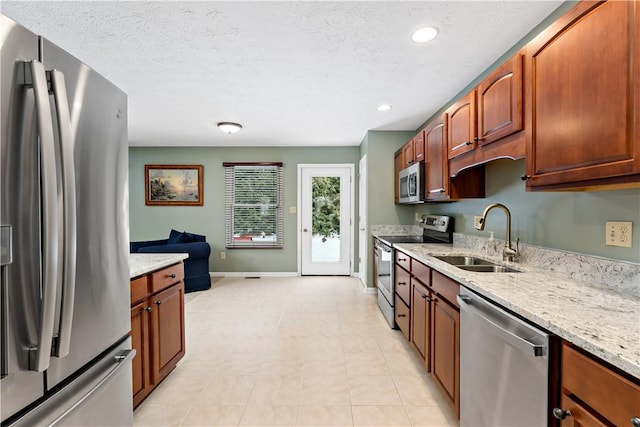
(143, 263)
(602, 320)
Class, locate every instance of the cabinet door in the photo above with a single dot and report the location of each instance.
(584, 101)
(420, 320)
(418, 147)
(140, 342)
(398, 165)
(435, 142)
(500, 102)
(445, 350)
(167, 330)
(408, 154)
(579, 416)
(462, 125)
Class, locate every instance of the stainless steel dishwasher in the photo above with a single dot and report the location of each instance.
(504, 366)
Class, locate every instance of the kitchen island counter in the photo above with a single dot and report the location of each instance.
(143, 263)
(603, 320)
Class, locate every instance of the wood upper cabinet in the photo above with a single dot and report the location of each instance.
(500, 102)
(593, 394)
(418, 147)
(435, 142)
(462, 131)
(157, 327)
(584, 98)
(398, 165)
(408, 154)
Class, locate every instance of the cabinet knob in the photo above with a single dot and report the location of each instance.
(148, 309)
(635, 421)
(477, 140)
(560, 413)
(469, 142)
(172, 276)
(402, 315)
(402, 259)
(158, 302)
(525, 177)
(402, 283)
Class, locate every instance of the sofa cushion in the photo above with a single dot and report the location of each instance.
(196, 237)
(175, 237)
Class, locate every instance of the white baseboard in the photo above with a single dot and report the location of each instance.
(253, 274)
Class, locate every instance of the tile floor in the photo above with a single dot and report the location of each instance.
(293, 351)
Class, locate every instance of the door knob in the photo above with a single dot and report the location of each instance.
(305, 230)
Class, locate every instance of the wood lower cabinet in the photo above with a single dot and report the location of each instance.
(420, 321)
(583, 107)
(445, 349)
(157, 327)
(593, 394)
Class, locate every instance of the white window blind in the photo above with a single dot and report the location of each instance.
(253, 205)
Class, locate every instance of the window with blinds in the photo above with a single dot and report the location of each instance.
(254, 214)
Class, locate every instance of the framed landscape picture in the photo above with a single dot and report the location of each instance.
(173, 185)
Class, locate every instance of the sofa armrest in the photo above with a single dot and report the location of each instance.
(136, 246)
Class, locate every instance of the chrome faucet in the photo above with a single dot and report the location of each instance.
(508, 252)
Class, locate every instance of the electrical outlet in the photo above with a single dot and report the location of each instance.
(619, 233)
(477, 221)
(417, 217)
(223, 255)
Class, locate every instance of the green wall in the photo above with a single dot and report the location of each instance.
(155, 222)
(570, 221)
(379, 147)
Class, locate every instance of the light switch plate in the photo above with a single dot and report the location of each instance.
(619, 233)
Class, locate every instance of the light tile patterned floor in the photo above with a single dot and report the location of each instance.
(293, 351)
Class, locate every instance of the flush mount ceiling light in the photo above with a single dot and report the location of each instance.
(384, 107)
(424, 35)
(229, 127)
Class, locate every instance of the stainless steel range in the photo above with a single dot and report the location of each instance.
(435, 229)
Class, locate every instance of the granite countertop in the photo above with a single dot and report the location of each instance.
(602, 321)
(143, 263)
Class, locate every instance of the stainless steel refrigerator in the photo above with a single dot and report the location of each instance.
(66, 354)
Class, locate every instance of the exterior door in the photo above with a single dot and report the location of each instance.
(326, 237)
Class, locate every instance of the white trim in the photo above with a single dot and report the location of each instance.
(253, 273)
(352, 177)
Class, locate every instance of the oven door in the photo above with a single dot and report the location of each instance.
(384, 267)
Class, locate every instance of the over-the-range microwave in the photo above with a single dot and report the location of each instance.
(411, 184)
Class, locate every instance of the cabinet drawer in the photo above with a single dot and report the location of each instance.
(403, 285)
(402, 316)
(139, 289)
(606, 392)
(420, 272)
(447, 288)
(403, 260)
(166, 277)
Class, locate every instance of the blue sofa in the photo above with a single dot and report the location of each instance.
(196, 267)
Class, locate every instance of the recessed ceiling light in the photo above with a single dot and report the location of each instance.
(384, 107)
(229, 127)
(425, 34)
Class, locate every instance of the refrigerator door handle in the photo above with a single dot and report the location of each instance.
(59, 90)
(39, 355)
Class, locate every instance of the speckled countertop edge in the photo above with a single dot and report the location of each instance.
(143, 263)
(604, 323)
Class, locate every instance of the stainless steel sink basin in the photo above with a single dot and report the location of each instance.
(488, 268)
(463, 260)
(475, 264)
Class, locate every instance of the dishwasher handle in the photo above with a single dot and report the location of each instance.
(514, 340)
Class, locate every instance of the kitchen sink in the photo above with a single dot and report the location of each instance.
(469, 263)
(488, 268)
(463, 260)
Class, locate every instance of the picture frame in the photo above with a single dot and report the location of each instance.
(173, 185)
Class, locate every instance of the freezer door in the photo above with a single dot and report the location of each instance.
(98, 115)
(100, 396)
(20, 208)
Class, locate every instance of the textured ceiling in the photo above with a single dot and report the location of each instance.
(293, 73)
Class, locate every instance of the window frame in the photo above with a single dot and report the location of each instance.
(230, 205)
